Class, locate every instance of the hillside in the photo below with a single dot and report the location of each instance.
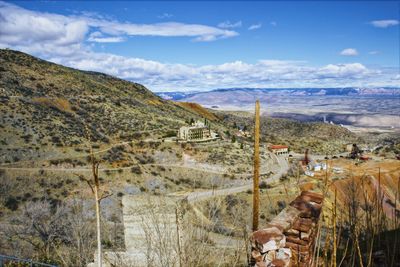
(321, 138)
(198, 109)
(48, 113)
(46, 107)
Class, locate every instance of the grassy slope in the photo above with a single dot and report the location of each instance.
(46, 107)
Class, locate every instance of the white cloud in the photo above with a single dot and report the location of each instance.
(354, 70)
(349, 52)
(167, 29)
(165, 16)
(160, 76)
(227, 24)
(396, 77)
(375, 52)
(98, 37)
(273, 23)
(255, 27)
(384, 23)
(20, 26)
(24, 27)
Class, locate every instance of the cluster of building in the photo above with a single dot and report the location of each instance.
(314, 167)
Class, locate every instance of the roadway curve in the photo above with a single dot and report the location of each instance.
(193, 196)
(201, 195)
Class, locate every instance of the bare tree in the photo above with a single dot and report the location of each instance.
(61, 234)
(80, 235)
(98, 194)
(42, 226)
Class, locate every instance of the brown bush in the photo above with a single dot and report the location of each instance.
(60, 104)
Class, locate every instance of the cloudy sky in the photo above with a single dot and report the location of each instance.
(183, 46)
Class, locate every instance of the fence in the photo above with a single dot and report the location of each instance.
(9, 261)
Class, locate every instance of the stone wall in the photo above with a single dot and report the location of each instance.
(150, 231)
(288, 240)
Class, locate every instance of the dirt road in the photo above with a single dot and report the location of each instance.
(201, 195)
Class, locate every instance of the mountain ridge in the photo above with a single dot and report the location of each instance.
(327, 91)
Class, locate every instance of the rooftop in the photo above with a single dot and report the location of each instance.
(277, 146)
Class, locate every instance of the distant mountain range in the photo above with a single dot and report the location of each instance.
(369, 107)
(348, 91)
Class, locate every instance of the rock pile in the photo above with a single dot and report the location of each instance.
(289, 238)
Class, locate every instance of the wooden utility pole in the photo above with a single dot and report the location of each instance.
(256, 178)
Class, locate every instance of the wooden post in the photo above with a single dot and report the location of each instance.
(256, 178)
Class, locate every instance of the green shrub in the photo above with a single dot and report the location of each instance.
(136, 170)
(11, 203)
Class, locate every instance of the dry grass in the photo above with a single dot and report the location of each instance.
(360, 215)
(60, 104)
(198, 109)
(154, 102)
(368, 174)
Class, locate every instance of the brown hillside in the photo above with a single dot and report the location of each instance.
(367, 181)
(197, 109)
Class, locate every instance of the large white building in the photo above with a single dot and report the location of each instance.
(196, 132)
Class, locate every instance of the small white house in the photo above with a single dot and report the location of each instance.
(323, 165)
(317, 167)
(309, 173)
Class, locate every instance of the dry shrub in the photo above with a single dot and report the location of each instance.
(306, 186)
(200, 110)
(154, 102)
(60, 104)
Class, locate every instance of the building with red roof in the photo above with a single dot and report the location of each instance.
(279, 149)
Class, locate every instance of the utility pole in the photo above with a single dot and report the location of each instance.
(256, 178)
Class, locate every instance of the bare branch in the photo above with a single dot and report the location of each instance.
(105, 195)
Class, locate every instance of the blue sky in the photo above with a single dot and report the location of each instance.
(180, 46)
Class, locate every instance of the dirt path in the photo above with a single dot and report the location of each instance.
(173, 165)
